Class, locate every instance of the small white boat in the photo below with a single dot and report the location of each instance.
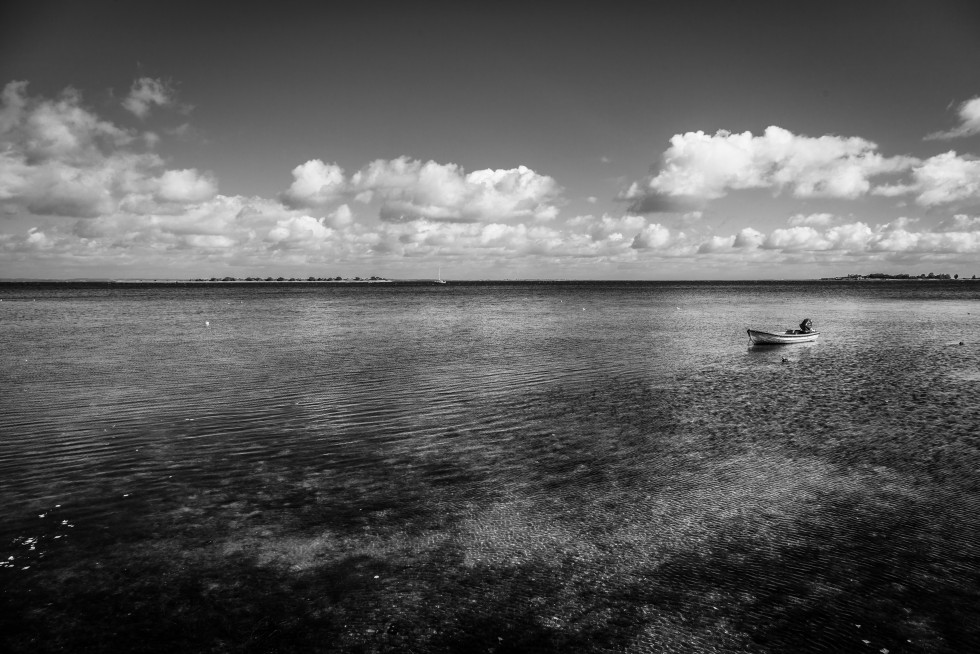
(440, 280)
(785, 338)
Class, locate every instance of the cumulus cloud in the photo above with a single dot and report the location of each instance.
(315, 184)
(654, 237)
(748, 238)
(944, 179)
(58, 158)
(608, 227)
(716, 244)
(146, 93)
(927, 243)
(185, 186)
(852, 237)
(340, 217)
(959, 236)
(410, 190)
(969, 115)
(700, 166)
(298, 232)
(796, 238)
(224, 225)
(947, 178)
(959, 223)
(61, 129)
(604, 238)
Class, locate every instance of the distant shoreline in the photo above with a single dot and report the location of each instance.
(874, 277)
(162, 283)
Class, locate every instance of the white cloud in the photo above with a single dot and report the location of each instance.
(227, 225)
(716, 244)
(315, 184)
(411, 190)
(654, 237)
(340, 217)
(853, 237)
(961, 236)
(699, 166)
(586, 238)
(53, 188)
(185, 186)
(928, 243)
(60, 129)
(959, 223)
(58, 158)
(969, 114)
(947, 178)
(748, 239)
(298, 232)
(796, 238)
(608, 227)
(146, 93)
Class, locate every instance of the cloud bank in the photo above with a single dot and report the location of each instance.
(699, 167)
(58, 158)
(410, 190)
(707, 167)
(86, 192)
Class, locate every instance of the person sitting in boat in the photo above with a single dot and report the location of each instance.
(806, 326)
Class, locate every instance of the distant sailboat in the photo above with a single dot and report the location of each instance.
(440, 280)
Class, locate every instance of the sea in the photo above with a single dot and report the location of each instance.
(489, 467)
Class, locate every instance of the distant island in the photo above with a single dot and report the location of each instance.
(900, 276)
(292, 279)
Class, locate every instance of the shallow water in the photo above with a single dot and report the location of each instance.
(466, 467)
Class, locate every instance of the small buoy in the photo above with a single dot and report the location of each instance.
(785, 360)
(207, 323)
(961, 342)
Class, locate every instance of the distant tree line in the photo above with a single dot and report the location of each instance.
(905, 276)
(293, 279)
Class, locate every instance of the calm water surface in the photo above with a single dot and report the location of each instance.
(490, 467)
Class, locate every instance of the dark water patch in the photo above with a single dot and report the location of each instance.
(163, 599)
(839, 577)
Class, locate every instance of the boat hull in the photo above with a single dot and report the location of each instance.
(770, 338)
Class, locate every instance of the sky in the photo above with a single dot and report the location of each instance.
(615, 140)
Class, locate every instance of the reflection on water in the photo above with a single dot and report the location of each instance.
(568, 467)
